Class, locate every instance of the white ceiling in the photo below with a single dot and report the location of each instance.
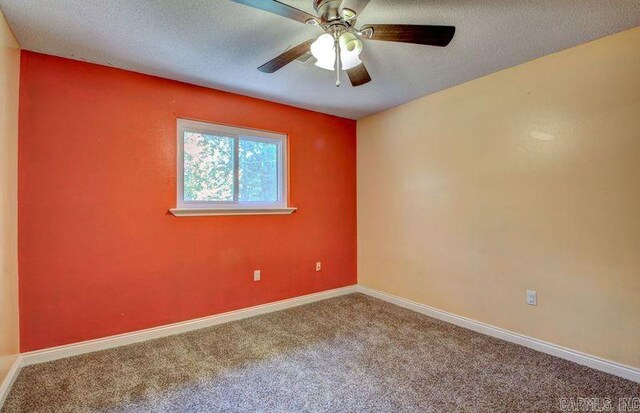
(219, 44)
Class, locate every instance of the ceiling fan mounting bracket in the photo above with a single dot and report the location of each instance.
(366, 32)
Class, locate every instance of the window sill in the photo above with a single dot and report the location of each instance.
(202, 212)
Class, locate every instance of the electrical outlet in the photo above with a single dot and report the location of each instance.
(318, 266)
(256, 275)
(532, 297)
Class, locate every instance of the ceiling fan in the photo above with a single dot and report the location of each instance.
(340, 46)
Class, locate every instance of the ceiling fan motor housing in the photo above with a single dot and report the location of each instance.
(327, 10)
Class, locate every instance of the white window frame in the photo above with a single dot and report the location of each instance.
(199, 208)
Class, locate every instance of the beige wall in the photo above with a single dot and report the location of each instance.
(9, 80)
(525, 179)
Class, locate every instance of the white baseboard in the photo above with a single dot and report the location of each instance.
(617, 369)
(55, 353)
(8, 381)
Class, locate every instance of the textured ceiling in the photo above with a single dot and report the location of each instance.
(219, 44)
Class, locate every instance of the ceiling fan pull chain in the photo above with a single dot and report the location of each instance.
(337, 63)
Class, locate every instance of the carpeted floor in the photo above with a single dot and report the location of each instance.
(348, 354)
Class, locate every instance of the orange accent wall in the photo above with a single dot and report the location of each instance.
(99, 254)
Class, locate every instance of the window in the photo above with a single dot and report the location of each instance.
(225, 170)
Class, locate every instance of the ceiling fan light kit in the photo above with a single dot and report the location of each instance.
(337, 51)
(339, 47)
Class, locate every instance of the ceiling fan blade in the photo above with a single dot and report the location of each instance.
(286, 57)
(354, 5)
(409, 33)
(281, 9)
(359, 75)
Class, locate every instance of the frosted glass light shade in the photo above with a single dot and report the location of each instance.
(329, 64)
(350, 43)
(324, 51)
(350, 49)
(349, 60)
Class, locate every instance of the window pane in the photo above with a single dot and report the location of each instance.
(208, 167)
(258, 173)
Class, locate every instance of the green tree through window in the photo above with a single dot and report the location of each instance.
(208, 167)
(211, 173)
(258, 171)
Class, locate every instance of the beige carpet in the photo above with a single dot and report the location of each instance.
(348, 354)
